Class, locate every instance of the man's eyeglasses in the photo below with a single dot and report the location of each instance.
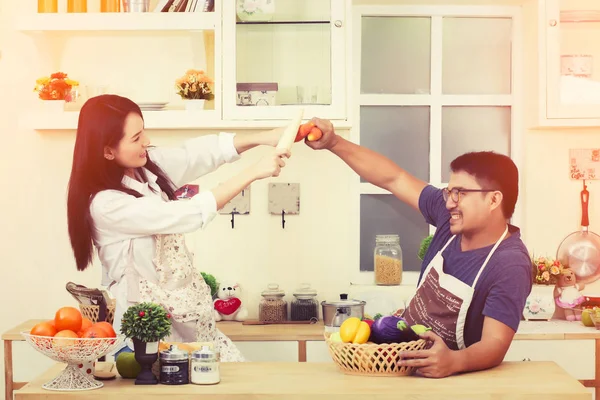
(456, 193)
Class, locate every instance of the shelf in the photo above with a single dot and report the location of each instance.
(149, 21)
(580, 16)
(156, 120)
(281, 22)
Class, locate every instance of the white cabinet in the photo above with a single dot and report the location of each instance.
(569, 59)
(293, 58)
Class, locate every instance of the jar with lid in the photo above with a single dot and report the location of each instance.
(174, 366)
(205, 367)
(272, 307)
(388, 260)
(304, 306)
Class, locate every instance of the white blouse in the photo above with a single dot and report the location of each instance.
(124, 225)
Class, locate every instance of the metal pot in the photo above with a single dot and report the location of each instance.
(336, 312)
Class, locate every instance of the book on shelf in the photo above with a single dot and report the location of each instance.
(185, 6)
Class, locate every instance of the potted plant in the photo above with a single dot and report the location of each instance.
(194, 88)
(55, 89)
(540, 304)
(423, 247)
(146, 324)
(212, 283)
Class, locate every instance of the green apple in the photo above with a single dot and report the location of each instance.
(586, 317)
(127, 366)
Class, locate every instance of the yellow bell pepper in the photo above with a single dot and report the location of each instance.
(353, 330)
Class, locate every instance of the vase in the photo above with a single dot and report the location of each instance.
(255, 10)
(194, 104)
(540, 305)
(146, 353)
(53, 105)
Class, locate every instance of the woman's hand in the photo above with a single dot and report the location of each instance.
(271, 164)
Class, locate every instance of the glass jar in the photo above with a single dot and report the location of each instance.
(304, 306)
(272, 307)
(388, 260)
(174, 366)
(205, 367)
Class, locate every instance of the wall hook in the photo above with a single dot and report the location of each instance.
(283, 219)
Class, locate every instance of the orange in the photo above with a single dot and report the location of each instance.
(67, 338)
(95, 332)
(68, 318)
(43, 329)
(107, 327)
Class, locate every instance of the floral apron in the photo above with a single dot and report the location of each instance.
(181, 290)
(442, 301)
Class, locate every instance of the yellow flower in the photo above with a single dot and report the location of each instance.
(71, 82)
(554, 270)
(43, 81)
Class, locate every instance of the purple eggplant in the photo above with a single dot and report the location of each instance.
(392, 329)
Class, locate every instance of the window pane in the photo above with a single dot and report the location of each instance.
(385, 214)
(282, 52)
(399, 133)
(477, 56)
(395, 55)
(467, 129)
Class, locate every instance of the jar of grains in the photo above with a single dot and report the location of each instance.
(272, 307)
(388, 260)
(305, 306)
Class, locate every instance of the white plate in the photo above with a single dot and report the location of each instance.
(151, 103)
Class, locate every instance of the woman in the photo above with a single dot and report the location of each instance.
(121, 199)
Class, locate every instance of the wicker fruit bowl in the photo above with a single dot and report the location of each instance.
(371, 359)
(72, 351)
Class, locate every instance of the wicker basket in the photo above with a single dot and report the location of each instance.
(371, 359)
(91, 312)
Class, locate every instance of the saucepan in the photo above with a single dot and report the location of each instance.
(336, 312)
(580, 251)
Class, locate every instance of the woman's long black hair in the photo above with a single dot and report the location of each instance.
(101, 123)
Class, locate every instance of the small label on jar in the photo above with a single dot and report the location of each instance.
(170, 369)
(203, 368)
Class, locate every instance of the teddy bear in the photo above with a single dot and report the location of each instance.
(228, 306)
(569, 295)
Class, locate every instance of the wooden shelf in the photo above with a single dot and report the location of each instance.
(579, 16)
(156, 120)
(149, 21)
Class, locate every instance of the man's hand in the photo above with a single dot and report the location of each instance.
(436, 362)
(329, 138)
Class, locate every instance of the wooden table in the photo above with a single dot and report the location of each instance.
(555, 330)
(323, 381)
(237, 332)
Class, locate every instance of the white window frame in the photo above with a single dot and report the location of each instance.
(436, 100)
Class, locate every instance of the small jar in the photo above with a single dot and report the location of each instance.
(272, 307)
(304, 306)
(205, 367)
(388, 260)
(174, 366)
(77, 6)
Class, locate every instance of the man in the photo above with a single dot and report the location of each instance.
(476, 275)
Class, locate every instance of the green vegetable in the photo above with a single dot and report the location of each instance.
(424, 246)
(211, 281)
(420, 329)
(377, 316)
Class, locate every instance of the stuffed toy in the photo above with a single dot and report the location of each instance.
(228, 306)
(569, 296)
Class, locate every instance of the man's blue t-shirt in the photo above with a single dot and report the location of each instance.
(505, 282)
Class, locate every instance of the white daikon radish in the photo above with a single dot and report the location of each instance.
(288, 137)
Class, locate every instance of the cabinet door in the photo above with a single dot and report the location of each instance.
(286, 56)
(572, 59)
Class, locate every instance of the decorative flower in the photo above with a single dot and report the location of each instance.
(546, 271)
(195, 84)
(534, 308)
(56, 87)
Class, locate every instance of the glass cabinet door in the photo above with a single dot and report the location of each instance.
(572, 58)
(288, 54)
